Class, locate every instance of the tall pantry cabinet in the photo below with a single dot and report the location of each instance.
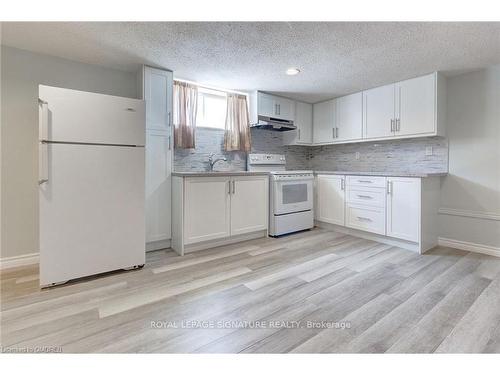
(157, 91)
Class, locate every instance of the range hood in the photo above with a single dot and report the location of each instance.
(272, 123)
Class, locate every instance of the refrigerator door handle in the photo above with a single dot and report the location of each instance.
(43, 147)
(43, 163)
(43, 120)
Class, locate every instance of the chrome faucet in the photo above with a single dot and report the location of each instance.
(213, 161)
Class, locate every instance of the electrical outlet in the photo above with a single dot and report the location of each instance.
(428, 151)
(357, 155)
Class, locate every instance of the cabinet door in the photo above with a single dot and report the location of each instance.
(158, 186)
(403, 208)
(331, 199)
(379, 111)
(323, 121)
(207, 209)
(158, 96)
(349, 124)
(415, 105)
(303, 121)
(249, 204)
(266, 105)
(285, 108)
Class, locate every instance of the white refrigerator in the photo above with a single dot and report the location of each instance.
(91, 184)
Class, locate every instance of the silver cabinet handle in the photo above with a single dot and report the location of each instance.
(333, 132)
(169, 119)
(279, 109)
(398, 125)
(342, 184)
(364, 196)
(366, 181)
(389, 187)
(229, 184)
(234, 187)
(361, 218)
(169, 142)
(336, 132)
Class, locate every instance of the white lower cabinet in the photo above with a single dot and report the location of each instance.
(208, 210)
(367, 218)
(398, 210)
(249, 207)
(330, 200)
(403, 208)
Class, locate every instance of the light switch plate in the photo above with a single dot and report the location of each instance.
(428, 151)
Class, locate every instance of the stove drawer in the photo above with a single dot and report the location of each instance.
(370, 219)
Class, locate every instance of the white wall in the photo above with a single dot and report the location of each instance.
(21, 73)
(473, 183)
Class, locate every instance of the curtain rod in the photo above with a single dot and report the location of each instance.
(211, 87)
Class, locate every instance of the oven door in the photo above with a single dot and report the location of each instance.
(292, 196)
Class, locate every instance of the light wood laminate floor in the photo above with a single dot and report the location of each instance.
(311, 292)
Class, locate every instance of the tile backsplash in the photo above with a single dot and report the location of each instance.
(406, 155)
(210, 141)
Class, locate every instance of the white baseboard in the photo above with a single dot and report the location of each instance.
(19, 261)
(469, 246)
(470, 214)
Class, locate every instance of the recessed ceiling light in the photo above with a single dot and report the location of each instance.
(292, 71)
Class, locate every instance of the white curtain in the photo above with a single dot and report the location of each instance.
(237, 135)
(185, 108)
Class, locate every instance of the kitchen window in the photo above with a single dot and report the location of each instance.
(211, 112)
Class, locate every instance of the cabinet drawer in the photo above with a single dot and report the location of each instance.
(369, 181)
(366, 196)
(370, 219)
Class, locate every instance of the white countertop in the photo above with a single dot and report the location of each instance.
(388, 174)
(218, 173)
(247, 173)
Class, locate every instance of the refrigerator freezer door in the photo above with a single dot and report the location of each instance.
(91, 211)
(84, 117)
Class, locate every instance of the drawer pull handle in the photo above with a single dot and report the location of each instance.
(366, 181)
(365, 196)
(360, 218)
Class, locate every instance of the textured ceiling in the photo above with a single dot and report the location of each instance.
(335, 58)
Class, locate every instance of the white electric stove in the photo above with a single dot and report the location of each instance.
(290, 194)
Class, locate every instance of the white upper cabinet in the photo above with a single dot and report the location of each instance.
(157, 93)
(324, 122)
(379, 112)
(285, 108)
(415, 106)
(303, 122)
(411, 108)
(349, 124)
(262, 104)
(266, 105)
